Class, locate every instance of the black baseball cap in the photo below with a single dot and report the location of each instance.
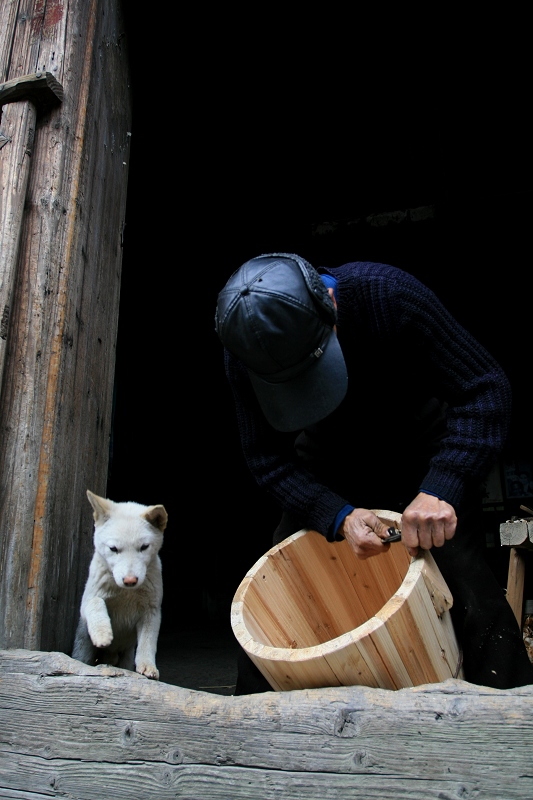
(276, 316)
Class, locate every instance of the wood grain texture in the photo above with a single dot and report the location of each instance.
(57, 389)
(40, 88)
(514, 534)
(67, 729)
(310, 614)
(515, 582)
(18, 129)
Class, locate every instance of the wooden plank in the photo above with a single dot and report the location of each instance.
(91, 732)
(358, 606)
(370, 641)
(14, 794)
(279, 594)
(330, 596)
(18, 130)
(57, 391)
(410, 641)
(387, 653)
(8, 14)
(153, 782)
(350, 660)
(311, 672)
(40, 88)
(515, 582)
(437, 587)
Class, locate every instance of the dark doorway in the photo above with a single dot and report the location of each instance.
(258, 160)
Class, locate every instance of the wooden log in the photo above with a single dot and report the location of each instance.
(57, 389)
(67, 729)
(514, 534)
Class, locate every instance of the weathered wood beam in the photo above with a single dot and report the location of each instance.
(41, 88)
(516, 577)
(61, 314)
(18, 133)
(517, 535)
(23, 97)
(91, 732)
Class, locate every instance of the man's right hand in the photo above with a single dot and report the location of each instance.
(365, 533)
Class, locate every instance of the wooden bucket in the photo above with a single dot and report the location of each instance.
(311, 614)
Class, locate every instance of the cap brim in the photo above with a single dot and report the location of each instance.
(310, 396)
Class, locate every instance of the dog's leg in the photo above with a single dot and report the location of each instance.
(127, 659)
(147, 634)
(98, 622)
(83, 649)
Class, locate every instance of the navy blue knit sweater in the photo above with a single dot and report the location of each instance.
(427, 407)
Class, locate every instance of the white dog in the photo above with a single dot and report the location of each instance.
(120, 611)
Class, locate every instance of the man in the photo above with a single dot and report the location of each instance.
(356, 389)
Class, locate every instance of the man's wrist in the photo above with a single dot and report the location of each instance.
(337, 522)
(432, 494)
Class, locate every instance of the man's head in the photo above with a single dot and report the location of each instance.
(276, 316)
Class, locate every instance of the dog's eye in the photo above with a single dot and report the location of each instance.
(114, 549)
(144, 547)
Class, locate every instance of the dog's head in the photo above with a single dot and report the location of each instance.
(128, 536)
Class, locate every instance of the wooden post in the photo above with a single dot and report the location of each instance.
(515, 582)
(62, 224)
(517, 535)
(18, 131)
(20, 100)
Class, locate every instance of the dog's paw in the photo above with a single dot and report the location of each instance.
(101, 636)
(148, 670)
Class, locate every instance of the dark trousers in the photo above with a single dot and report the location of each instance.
(493, 650)
(494, 653)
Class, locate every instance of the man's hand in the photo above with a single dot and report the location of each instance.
(364, 532)
(427, 522)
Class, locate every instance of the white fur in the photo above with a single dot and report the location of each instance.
(120, 613)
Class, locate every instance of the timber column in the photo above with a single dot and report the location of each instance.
(63, 170)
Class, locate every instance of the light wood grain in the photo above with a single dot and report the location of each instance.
(311, 614)
(515, 582)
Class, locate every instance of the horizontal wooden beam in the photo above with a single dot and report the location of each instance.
(96, 732)
(41, 88)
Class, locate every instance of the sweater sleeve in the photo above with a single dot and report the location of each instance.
(470, 381)
(269, 456)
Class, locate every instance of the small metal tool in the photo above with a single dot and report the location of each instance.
(394, 536)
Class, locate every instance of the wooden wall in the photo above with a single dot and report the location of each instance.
(59, 336)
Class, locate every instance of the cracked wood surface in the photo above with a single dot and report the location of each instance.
(72, 730)
(63, 185)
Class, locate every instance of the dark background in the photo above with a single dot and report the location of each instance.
(281, 141)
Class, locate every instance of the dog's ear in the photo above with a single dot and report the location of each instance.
(101, 506)
(156, 516)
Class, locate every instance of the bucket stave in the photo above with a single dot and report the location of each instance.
(311, 614)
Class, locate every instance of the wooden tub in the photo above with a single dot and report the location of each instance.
(310, 614)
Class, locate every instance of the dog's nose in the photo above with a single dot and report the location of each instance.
(130, 580)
